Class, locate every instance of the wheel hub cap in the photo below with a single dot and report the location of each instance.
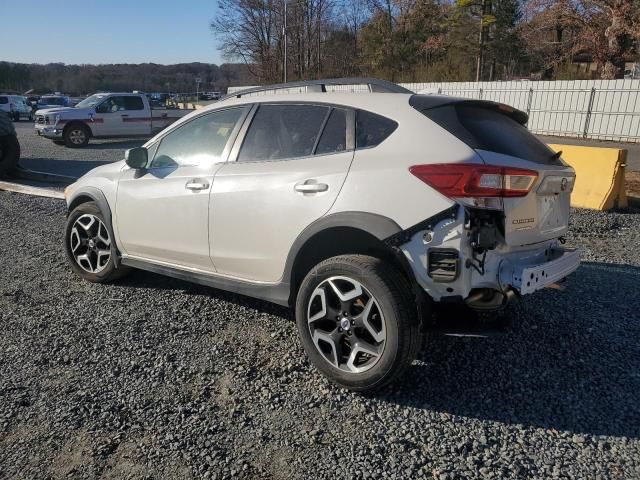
(346, 324)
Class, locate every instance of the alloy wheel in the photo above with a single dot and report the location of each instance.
(77, 136)
(346, 324)
(90, 243)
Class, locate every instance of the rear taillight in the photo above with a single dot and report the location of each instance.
(473, 180)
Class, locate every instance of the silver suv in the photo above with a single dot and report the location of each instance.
(357, 209)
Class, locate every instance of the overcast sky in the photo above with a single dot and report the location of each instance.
(108, 31)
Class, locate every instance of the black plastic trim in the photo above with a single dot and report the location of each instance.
(377, 225)
(277, 293)
(404, 236)
(375, 85)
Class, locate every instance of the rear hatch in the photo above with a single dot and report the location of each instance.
(498, 135)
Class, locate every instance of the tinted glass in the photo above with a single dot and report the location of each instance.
(4, 100)
(133, 103)
(484, 128)
(282, 131)
(334, 136)
(372, 129)
(198, 142)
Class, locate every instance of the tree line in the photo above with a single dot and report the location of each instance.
(429, 40)
(146, 77)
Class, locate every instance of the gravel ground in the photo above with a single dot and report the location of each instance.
(156, 378)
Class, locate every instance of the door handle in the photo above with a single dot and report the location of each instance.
(196, 185)
(309, 186)
(124, 115)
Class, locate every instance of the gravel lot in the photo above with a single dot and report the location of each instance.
(157, 378)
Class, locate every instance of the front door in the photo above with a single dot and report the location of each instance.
(288, 172)
(162, 212)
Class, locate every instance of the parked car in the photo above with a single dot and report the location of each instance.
(104, 115)
(53, 101)
(358, 210)
(210, 96)
(9, 146)
(16, 106)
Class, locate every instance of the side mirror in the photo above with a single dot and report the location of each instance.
(136, 157)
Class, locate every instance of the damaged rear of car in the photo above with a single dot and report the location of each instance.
(504, 234)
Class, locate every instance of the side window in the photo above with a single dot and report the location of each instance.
(372, 129)
(198, 142)
(4, 100)
(334, 136)
(111, 105)
(133, 103)
(282, 131)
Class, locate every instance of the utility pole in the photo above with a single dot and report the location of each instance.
(284, 34)
(481, 43)
(198, 80)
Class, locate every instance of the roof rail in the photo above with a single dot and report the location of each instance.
(375, 86)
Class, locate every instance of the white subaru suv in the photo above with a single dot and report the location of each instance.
(357, 209)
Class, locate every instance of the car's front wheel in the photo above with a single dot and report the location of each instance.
(76, 136)
(88, 245)
(357, 322)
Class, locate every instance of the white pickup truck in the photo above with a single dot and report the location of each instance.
(104, 115)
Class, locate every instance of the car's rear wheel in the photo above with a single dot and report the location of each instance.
(88, 245)
(357, 322)
(76, 136)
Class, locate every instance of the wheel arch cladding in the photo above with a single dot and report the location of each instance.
(341, 234)
(92, 194)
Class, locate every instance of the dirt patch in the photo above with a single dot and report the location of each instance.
(633, 184)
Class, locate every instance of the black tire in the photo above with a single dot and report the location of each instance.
(76, 135)
(108, 272)
(9, 154)
(392, 294)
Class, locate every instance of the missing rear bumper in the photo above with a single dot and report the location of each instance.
(530, 278)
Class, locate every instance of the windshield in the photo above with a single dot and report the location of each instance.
(91, 101)
(51, 101)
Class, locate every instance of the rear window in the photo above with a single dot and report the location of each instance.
(4, 100)
(133, 103)
(484, 128)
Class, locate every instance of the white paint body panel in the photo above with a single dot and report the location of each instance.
(160, 219)
(256, 214)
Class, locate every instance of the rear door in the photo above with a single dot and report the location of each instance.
(287, 173)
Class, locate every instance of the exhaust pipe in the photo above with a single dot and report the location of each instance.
(487, 299)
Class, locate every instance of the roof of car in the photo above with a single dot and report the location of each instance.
(388, 103)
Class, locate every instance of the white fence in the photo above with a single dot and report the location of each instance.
(595, 109)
